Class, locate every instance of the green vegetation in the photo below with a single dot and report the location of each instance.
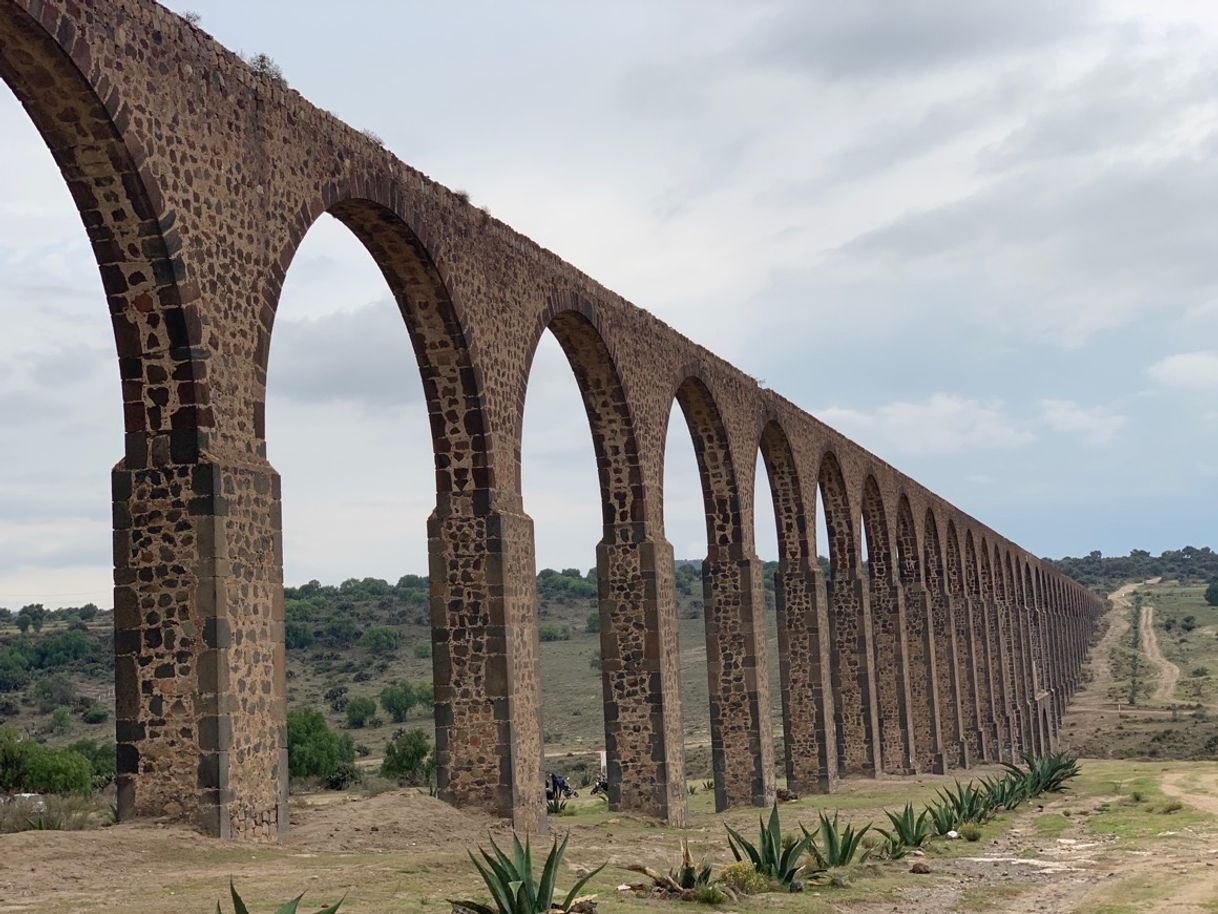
(314, 750)
(408, 758)
(27, 766)
(908, 831)
(834, 844)
(360, 710)
(513, 887)
(288, 907)
(774, 860)
(1107, 573)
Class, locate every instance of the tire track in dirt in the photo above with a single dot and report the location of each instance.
(1169, 673)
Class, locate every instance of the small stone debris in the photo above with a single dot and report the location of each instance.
(920, 868)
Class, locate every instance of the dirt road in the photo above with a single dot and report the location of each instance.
(1168, 672)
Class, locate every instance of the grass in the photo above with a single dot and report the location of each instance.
(1190, 650)
(988, 897)
(1051, 825)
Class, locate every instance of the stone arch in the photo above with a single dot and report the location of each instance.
(452, 382)
(981, 611)
(893, 699)
(640, 671)
(787, 494)
(716, 469)
(742, 750)
(810, 758)
(945, 646)
(855, 715)
(965, 643)
(1013, 590)
(482, 614)
(163, 494)
(920, 635)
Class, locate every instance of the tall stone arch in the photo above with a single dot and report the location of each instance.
(855, 717)
(742, 750)
(640, 662)
(920, 639)
(896, 750)
(965, 645)
(942, 610)
(809, 737)
(980, 611)
(168, 612)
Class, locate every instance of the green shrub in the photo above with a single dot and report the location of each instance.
(709, 894)
(297, 636)
(95, 714)
(53, 692)
(422, 650)
(102, 758)
(397, 699)
(359, 710)
(314, 750)
(593, 625)
(61, 720)
(49, 770)
(344, 776)
(970, 831)
(512, 885)
(381, 640)
(743, 878)
(408, 758)
(552, 631)
(14, 670)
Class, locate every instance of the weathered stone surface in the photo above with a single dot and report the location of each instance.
(196, 179)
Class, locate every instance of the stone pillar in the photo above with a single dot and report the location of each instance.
(742, 743)
(955, 749)
(1006, 676)
(967, 676)
(486, 664)
(199, 661)
(853, 675)
(806, 681)
(893, 698)
(1040, 695)
(987, 719)
(923, 680)
(641, 677)
(1023, 696)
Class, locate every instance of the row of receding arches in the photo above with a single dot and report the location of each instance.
(885, 660)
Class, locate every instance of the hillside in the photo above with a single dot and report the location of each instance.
(351, 641)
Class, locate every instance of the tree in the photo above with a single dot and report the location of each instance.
(297, 635)
(34, 615)
(314, 750)
(397, 699)
(593, 625)
(408, 758)
(359, 711)
(381, 639)
(1211, 593)
(88, 612)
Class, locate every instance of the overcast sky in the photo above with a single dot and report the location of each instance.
(979, 237)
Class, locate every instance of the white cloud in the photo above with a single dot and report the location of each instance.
(1187, 370)
(940, 425)
(1095, 426)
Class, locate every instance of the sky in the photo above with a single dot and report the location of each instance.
(977, 237)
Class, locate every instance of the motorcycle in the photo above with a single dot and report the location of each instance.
(601, 786)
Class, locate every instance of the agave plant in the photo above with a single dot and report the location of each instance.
(908, 831)
(837, 843)
(688, 876)
(968, 803)
(769, 857)
(1006, 792)
(511, 883)
(942, 818)
(288, 907)
(1046, 774)
(555, 806)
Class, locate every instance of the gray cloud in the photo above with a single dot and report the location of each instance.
(872, 38)
(361, 356)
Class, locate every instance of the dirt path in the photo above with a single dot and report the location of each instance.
(1168, 672)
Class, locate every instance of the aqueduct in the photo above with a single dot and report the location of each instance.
(196, 178)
